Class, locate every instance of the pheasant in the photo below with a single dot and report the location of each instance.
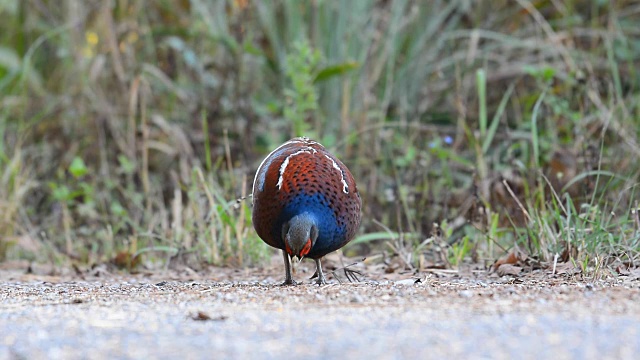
(305, 202)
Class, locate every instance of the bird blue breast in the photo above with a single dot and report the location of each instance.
(330, 235)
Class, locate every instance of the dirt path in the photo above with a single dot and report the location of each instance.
(148, 317)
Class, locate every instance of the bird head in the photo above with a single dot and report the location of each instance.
(300, 234)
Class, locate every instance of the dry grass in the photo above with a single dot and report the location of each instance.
(130, 128)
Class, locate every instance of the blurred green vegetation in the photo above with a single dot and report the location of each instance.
(130, 128)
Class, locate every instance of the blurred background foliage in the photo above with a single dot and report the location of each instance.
(129, 128)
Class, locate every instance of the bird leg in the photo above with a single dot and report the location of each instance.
(288, 279)
(321, 279)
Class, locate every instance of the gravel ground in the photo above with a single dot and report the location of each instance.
(146, 317)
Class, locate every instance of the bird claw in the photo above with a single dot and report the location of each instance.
(289, 282)
(322, 280)
(352, 275)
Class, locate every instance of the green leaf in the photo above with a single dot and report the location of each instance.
(117, 209)
(9, 7)
(545, 73)
(335, 70)
(9, 59)
(60, 193)
(77, 167)
(548, 73)
(126, 166)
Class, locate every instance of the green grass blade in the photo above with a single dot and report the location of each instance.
(486, 144)
(481, 82)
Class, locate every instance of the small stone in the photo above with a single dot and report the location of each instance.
(589, 287)
(406, 282)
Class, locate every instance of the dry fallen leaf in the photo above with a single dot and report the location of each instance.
(203, 316)
(200, 316)
(515, 256)
(622, 270)
(567, 268)
(508, 269)
(126, 260)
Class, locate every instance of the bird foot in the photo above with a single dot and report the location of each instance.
(322, 280)
(352, 275)
(289, 282)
